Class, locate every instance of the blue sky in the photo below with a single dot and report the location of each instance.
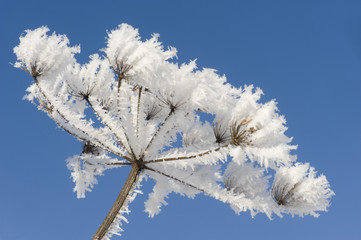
(306, 54)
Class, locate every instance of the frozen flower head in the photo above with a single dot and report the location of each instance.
(172, 122)
(298, 191)
(40, 54)
(132, 58)
(245, 179)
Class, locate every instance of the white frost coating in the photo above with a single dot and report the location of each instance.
(199, 136)
(183, 125)
(85, 167)
(165, 185)
(145, 58)
(246, 179)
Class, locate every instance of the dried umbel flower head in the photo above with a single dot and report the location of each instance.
(283, 194)
(105, 103)
(297, 190)
(36, 70)
(221, 133)
(240, 134)
(89, 148)
(152, 111)
(121, 69)
(40, 54)
(133, 108)
(83, 94)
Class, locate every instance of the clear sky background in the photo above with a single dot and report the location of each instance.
(306, 54)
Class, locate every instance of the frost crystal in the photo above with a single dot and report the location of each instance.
(184, 127)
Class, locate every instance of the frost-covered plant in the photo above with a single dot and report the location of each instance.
(154, 115)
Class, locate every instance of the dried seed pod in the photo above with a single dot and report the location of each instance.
(240, 134)
(221, 134)
(152, 111)
(282, 194)
(89, 148)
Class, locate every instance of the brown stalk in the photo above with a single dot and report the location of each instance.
(109, 219)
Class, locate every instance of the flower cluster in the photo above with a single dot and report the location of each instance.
(186, 128)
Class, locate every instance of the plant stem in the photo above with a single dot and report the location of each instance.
(104, 227)
(217, 149)
(138, 106)
(176, 179)
(171, 112)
